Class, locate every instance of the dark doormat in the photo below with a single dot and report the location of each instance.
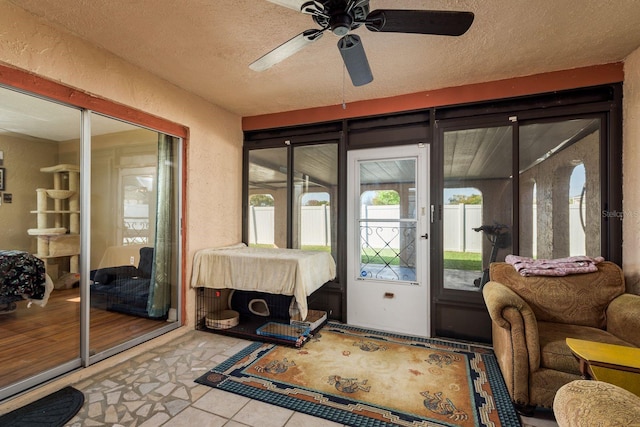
(52, 410)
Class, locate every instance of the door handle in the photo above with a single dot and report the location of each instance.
(425, 236)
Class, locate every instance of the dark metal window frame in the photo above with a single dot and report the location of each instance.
(425, 126)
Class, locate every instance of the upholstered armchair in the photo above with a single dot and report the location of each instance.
(584, 403)
(532, 317)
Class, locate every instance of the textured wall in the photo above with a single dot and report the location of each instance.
(631, 172)
(213, 198)
(21, 180)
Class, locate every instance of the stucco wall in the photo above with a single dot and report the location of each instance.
(213, 193)
(631, 172)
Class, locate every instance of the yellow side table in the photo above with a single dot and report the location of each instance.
(614, 364)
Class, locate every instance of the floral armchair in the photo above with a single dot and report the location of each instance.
(532, 317)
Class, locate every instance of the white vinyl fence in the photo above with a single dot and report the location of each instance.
(459, 221)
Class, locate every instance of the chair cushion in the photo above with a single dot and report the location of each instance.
(554, 352)
(577, 299)
(145, 265)
(108, 275)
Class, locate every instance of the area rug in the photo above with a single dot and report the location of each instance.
(361, 377)
(54, 410)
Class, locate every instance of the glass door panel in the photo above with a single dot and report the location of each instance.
(39, 240)
(387, 220)
(134, 246)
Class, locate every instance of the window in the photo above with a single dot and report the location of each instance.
(462, 213)
(477, 194)
(261, 220)
(562, 158)
(300, 215)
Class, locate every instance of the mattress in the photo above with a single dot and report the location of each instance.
(272, 270)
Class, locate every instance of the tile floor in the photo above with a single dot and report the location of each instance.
(157, 388)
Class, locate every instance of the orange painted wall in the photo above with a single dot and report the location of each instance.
(518, 86)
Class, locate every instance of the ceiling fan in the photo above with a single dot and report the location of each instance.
(342, 16)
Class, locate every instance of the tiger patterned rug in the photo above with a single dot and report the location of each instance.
(356, 376)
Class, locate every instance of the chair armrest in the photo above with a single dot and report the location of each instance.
(623, 318)
(515, 338)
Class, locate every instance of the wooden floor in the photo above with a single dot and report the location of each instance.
(35, 339)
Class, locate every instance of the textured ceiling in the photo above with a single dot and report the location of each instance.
(206, 46)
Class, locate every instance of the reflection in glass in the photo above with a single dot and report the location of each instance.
(560, 209)
(387, 220)
(477, 193)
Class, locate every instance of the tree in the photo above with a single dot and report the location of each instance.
(261, 200)
(316, 202)
(459, 199)
(386, 197)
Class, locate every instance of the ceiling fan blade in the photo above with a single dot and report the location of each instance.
(286, 49)
(310, 7)
(355, 59)
(291, 4)
(440, 22)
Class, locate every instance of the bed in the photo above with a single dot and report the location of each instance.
(22, 277)
(292, 272)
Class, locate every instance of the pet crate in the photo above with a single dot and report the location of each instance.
(254, 311)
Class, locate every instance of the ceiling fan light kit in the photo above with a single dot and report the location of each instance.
(342, 16)
(355, 60)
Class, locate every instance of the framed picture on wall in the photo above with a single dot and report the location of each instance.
(2, 180)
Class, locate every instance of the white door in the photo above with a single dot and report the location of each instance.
(387, 243)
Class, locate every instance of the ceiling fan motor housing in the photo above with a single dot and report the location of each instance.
(341, 16)
(340, 24)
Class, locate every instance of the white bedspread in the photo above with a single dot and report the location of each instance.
(275, 271)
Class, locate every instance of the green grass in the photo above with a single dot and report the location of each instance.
(452, 260)
(463, 260)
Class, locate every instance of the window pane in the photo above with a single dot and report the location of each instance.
(268, 180)
(315, 197)
(560, 209)
(388, 220)
(477, 204)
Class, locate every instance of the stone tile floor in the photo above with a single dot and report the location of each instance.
(157, 388)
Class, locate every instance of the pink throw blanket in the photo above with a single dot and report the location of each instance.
(553, 267)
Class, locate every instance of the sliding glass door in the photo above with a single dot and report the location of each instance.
(89, 248)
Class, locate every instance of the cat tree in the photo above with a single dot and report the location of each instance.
(62, 238)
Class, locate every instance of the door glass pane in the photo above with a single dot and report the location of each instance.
(477, 204)
(134, 245)
(387, 220)
(315, 197)
(268, 198)
(560, 208)
(39, 237)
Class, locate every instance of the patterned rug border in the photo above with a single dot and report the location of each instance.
(506, 413)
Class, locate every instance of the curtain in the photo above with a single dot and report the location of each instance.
(160, 289)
